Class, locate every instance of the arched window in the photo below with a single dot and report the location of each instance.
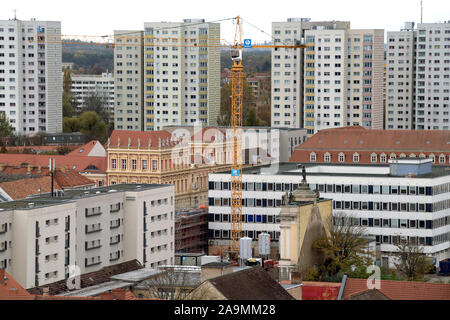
(383, 158)
(312, 157)
(327, 157)
(442, 159)
(356, 158)
(393, 156)
(341, 157)
(373, 158)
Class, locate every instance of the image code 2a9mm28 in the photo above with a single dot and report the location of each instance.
(246, 309)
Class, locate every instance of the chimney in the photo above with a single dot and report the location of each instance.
(2, 274)
(46, 291)
(296, 277)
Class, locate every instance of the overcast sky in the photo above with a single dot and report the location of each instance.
(102, 17)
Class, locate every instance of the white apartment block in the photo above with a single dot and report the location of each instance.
(40, 238)
(383, 199)
(288, 67)
(336, 82)
(128, 80)
(432, 77)
(400, 61)
(30, 75)
(179, 72)
(86, 85)
(418, 77)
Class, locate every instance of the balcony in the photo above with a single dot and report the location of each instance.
(92, 213)
(94, 229)
(88, 248)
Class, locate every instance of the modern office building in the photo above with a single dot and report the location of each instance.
(336, 82)
(30, 75)
(42, 237)
(101, 86)
(177, 67)
(407, 199)
(418, 77)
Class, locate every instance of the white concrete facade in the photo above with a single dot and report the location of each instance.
(30, 75)
(390, 207)
(91, 229)
(85, 85)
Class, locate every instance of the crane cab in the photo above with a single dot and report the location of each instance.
(236, 54)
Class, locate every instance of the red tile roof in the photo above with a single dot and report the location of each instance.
(28, 187)
(358, 138)
(77, 163)
(133, 138)
(401, 290)
(207, 134)
(10, 289)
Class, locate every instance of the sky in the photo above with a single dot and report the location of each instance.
(102, 17)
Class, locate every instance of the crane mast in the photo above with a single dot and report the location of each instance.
(237, 86)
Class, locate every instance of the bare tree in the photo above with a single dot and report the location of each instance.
(411, 260)
(172, 284)
(345, 247)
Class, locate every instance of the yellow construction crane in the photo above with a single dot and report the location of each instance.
(237, 88)
(237, 84)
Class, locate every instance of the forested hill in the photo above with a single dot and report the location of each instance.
(88, 58)
(95, 58)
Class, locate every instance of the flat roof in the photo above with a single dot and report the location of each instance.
(374, 170)
(137, 275)
(96, 290)
(46, 200)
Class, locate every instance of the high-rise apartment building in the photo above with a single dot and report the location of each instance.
(288, 65)
(336, 82)
(418, 77)
(178, 71)
(100, 85)
(128, 80)
(30, 75)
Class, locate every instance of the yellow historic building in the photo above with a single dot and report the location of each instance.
(303, 218)
(161, 157)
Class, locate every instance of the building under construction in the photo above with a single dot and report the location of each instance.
(191, 231)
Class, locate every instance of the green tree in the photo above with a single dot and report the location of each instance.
(69, 102)
(92, 126)
(71, 124)
(251, 120)
(97, 104)
(6, 130)
(411, 261)
(345, 249)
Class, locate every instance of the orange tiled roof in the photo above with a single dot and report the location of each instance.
(401, 290)
(358, 138)
(77, 163)
(69, 178)
(133, 138)
(10, 289)
(207, 134)
(28, 187)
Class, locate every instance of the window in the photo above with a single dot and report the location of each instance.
(144, 164)
(356, 158)
(341, 157)
(124, 163)
(312, 157)
(373, 158)
(113, 164)
(327, 157)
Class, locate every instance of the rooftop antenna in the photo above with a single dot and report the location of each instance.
(421, 11)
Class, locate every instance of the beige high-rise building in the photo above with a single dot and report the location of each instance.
(344, 75)
(288, 66)
(336, 81)
(170, 74)
(128, 84)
